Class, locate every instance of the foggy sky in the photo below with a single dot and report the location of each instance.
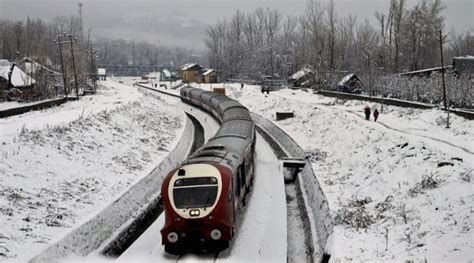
(183, 22)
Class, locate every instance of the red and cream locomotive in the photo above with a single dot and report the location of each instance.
(202, 197)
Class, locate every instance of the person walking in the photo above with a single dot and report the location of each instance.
(367, 112)
(376, 114)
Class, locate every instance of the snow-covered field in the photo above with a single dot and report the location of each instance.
(60, 166)
(390, 195)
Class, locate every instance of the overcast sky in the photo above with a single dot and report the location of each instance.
(183, 22)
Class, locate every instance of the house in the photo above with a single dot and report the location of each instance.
(191, 72)
(301, 77)
(350, 83)
(209, 76)
(167, 75)
(14, 81)
(19, 78)
(463, 65)
(44, 75)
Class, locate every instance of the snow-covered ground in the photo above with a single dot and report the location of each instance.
(390, 196)
(261, 233)
(60, 166)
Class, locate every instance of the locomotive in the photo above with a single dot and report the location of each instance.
(203, 195)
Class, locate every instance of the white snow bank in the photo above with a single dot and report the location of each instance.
(70, 161)
(383, 174)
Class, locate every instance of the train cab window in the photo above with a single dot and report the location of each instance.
(198, 192)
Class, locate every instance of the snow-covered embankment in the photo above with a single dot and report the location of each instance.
(61, 165)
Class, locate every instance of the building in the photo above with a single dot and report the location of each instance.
(191, 72)
(350, 83)
(22, 85)
(209, 76)
(196, 73)
(301, 78)
(166, 75)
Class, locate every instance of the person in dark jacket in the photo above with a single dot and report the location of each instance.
(376, 114)
(367, 112)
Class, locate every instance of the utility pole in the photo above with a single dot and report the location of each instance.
(58, 41)
(446, 108)
(64, 39)
(92, 53)
(81, 30)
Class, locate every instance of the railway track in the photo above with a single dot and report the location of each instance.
(299, 241)
(263, 229)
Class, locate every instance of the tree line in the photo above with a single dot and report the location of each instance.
(34, 38)
(264, 42)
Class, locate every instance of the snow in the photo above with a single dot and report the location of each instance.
(5, 105)
(357, 160)
(156, 75)
(19, 78)
(300, 73)
(384, 174)
(261, 233)
(345, 79)
(167, 73)
(207, 72)
(61, 165)
(188, 66)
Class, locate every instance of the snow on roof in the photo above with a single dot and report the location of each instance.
(465, 58)
(207, 71)
(32, 66)
(345, 79)
(167, 73)
(19, 78)
(300, 73)
(188, 66)
(426, 70)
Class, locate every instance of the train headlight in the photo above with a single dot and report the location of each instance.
(216, 234)
(194, 212)
(172, 237)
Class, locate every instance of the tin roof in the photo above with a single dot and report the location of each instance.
(19, 77)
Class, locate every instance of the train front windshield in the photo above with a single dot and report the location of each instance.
(195, 192)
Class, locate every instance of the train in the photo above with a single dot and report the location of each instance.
(202, 197)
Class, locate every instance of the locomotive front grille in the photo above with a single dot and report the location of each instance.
(194, 224)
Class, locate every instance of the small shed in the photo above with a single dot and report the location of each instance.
(463, 65)
(350, 83)
(191, 72)
(166, 75)
(209, 76)
(301, 77)
(20, 81)
(19, 78)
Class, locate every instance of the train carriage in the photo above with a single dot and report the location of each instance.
(203, 195)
